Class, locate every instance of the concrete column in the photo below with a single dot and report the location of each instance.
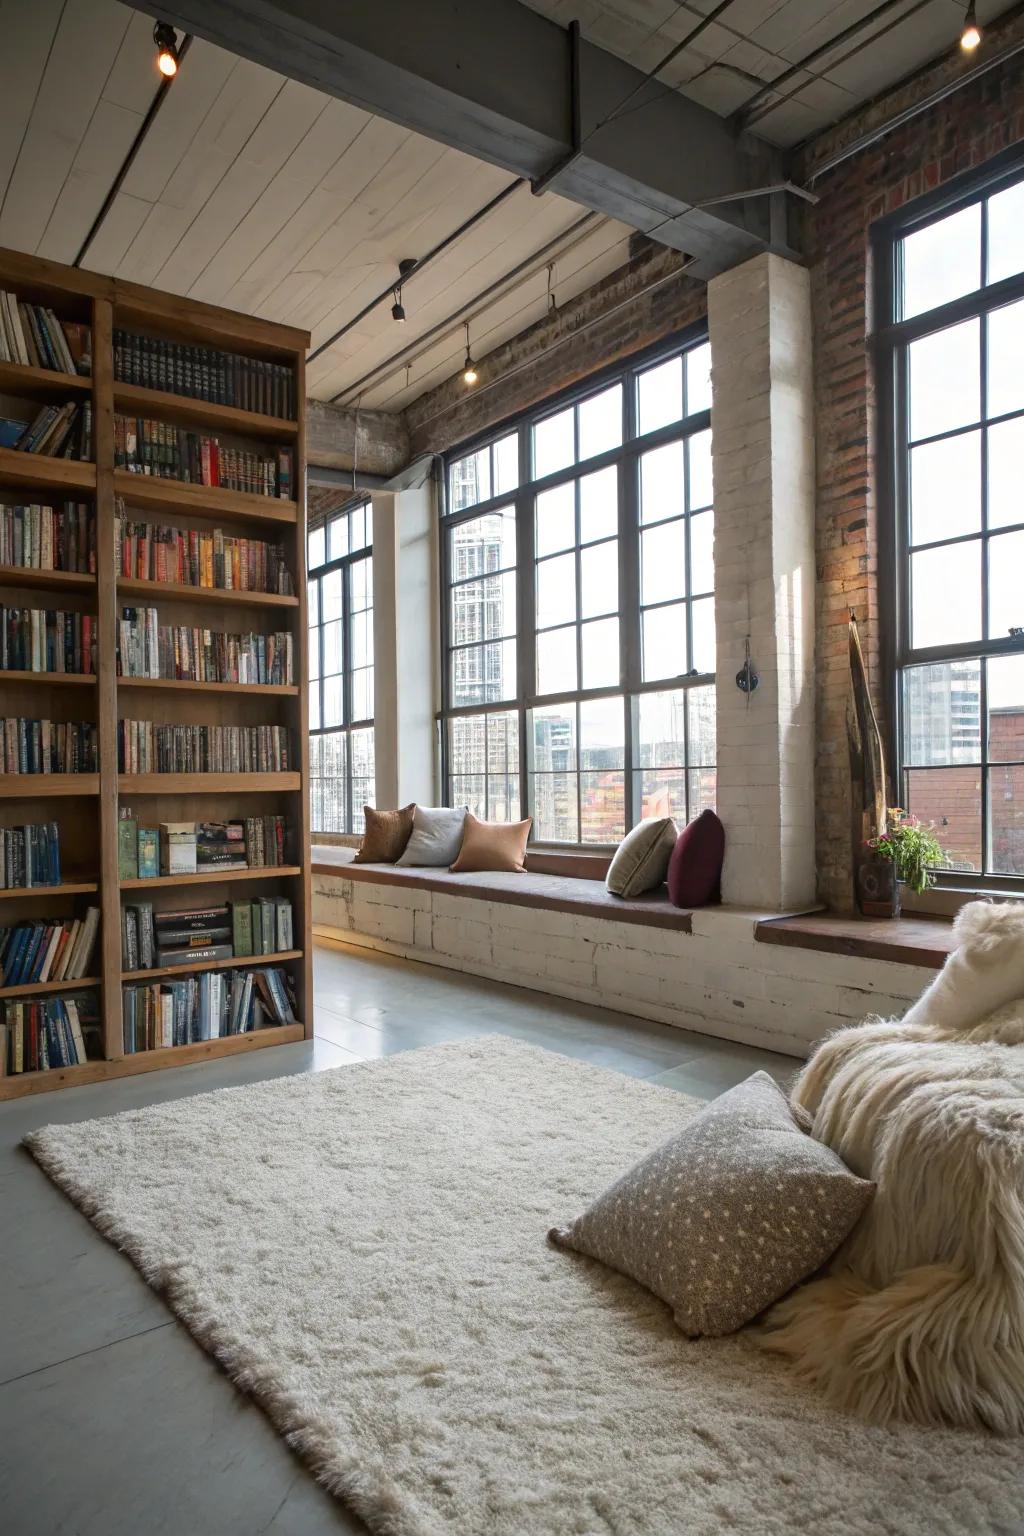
(405, 647)
(762, 417)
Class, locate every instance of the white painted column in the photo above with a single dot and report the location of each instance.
(405, 647)
(762, 417)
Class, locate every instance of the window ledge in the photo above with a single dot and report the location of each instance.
(923, 941)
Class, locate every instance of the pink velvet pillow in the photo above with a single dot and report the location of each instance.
(695, 868)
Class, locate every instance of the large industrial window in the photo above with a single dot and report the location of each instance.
(953, 400)
(578, 607)
(341, 669)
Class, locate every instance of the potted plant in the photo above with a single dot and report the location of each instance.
(906, 851)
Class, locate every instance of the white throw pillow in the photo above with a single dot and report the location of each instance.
(641, 859)
(436, 836)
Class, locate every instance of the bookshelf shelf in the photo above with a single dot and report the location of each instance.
(215, 877)
(86, 679)
(211, 501)
(288, 690)
(89, 830)
(41, 383)
(32, 576)
(42, 786)
(37, 472)
(237, 962)
(135, 400)
(37, 988)
(162, 591)
(32, 892)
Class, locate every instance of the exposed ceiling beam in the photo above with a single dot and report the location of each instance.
(494, 79)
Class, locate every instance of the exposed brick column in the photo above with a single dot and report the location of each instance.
(762, 416)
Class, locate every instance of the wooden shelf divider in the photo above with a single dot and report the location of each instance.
(92, 854)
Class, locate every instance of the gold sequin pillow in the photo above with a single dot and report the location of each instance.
(726, 1217)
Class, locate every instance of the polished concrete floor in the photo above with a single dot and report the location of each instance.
(113, 1422)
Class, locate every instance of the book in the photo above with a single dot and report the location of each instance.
(127, 848)
(183, 1010)
(191, 955)
(33, 335)
(203, 373)
(146, 747)
(48, 746)
(40, 1034)
(241, 928)
(48, 538)
(177, 848)
(156, 448)
(47, 640)
(30, 856)
(57, 950)
(146, 648)
(194, 557)
(149, 853)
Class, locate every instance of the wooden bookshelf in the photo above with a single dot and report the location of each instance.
(89, 831)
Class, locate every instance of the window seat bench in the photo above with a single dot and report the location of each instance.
(781, 983)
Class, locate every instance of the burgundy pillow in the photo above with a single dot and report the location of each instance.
(695, 868)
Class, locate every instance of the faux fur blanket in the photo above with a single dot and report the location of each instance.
(921, 1315)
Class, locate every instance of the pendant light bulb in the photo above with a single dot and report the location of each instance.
(167, 49)
(469, 373)
(970, 37)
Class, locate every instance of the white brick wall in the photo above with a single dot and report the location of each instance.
(717, 980)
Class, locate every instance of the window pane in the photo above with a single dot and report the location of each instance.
(362, 638)
(1006, 819)
(601, 422)
(602, 807)
(332, 647)
(663, 562)
(1005, 350)
(313, 609)
(702, 552)
(314, 706)
(337, 538)
(945, 377)
(314, 653)
(659, 395)
(330, 596)
(698, 379)
(1006, 233)
(362, 693)
(662, 483)
(942, 714)
(699, 454)
(942, 261)
(361, 755)
(949, 800)
(599, 579)
(703, 786)
(554, 445)
(554, 738)
(506, 464)
(945, 488)
(471, 791)
(555, 811)
(333, 701)
(602, 733)
(663, 793)
(316, 547)
(1005, 481)
(467, 744)
(556, 519)
(664, 642)
(1005, 686)
(702, 623)
(469, 480)
(556, 661)
(361, 579)
(556, 590)
(1005, 585)
(599, 504)
(662, 729)
(600, 645)
(484, 610)
(701, 705)
(483, 544)
(946, 595)
(484, 674)
(503, 743)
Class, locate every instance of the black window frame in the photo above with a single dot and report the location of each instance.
(630, 685)
(890, 342)
(345, 565)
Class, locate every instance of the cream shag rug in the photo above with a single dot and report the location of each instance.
(364, 1251)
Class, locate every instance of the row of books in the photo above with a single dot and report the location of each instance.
(41, 1034)
(32, 334)
(30, 855)
(157, 448)
(49, 538)
(202, 373)
(47, 640)
(210, 1006)
(49, 746)
(231, 931)
(147, 648)
(145, 747)
(193, 558)
(53, 951)
(59, 431)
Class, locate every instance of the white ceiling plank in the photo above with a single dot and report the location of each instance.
(134, 77)
(198, 87)
(122, 223)
(28, 33)
(86, 44)
(97, 162)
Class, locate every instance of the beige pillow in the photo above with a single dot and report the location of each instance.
(726, 1217)
(386, 835)
(641, 859)
(492, 845)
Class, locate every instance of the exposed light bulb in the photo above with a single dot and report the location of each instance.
(469, 373)
(167, 49)
(970, 37)
(398, 310)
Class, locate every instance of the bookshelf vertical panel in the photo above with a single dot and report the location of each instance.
(106, 603)
(303, 830)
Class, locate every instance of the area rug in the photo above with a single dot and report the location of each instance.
(364, 1251)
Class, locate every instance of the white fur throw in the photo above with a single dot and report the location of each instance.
(922, 1313)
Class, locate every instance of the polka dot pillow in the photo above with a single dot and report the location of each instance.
(726, 1217)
